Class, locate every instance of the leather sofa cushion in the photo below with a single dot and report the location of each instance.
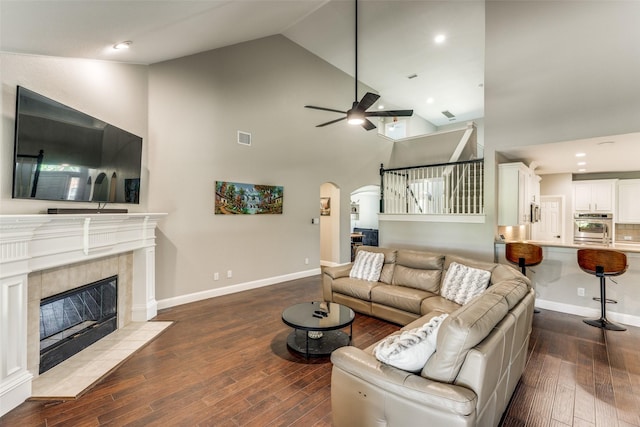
(512, 290)
(354, 287)
(506, 272)
(390, 256)
(401, 297)
(461, 331)
(427, 280)
(489, 266)
(438, 303)
(420, 270)
(419, 259)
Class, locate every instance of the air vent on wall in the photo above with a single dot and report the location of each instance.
(244, 138)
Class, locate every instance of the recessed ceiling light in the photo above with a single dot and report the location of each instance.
(581, 154)
(582, 163)
(380, 107)
(122, 45)
(582, 170)
(430, 100)
(440, 38)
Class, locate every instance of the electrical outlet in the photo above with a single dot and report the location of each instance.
(216, 276)
(229, 274)
(306, 260)
(581, 292)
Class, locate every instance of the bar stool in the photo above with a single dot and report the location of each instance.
(603, 263)
(524, 255)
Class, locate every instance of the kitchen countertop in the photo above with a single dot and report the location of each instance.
(624, 247)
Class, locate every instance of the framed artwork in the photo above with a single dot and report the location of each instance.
(234, 198)
(325, 206)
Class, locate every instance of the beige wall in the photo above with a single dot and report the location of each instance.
(196, 106)
(115, 93)
(542, 85)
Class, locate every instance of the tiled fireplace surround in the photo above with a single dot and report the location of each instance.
(43, 284)
(42, 255)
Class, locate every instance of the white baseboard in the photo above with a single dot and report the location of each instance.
(626, 319)
(211, 293)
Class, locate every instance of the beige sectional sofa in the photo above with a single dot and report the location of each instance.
(480, 349)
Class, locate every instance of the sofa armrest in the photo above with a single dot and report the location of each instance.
(329, 275)
(338, 271)
(453, 398)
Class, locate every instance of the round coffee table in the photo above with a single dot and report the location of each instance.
(317, 327)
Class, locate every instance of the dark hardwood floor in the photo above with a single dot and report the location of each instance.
(224, 362)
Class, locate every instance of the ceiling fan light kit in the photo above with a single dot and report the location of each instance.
(357, 114)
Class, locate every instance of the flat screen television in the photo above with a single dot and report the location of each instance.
(63, 154)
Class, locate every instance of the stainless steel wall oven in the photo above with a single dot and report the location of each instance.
(592, 228)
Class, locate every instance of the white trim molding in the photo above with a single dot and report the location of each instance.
(211, 293)
(30, 243)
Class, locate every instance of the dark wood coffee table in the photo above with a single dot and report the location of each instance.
(316, 327)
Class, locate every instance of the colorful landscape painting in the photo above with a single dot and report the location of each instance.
(234, 198)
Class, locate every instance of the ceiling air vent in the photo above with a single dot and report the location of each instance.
(448, 114)
(244, 138)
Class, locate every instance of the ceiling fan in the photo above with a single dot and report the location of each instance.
(357, 114)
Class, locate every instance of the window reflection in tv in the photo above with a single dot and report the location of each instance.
(64, 154)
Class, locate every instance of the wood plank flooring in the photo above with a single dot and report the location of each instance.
(224, 363)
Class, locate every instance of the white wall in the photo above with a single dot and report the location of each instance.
(196, 105)
(368, 200)
(115, 93)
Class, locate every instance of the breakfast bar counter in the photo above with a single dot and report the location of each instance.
(562, 286)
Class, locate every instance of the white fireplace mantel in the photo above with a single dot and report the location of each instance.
(31, 243)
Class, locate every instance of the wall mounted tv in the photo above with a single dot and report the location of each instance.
(64, 154)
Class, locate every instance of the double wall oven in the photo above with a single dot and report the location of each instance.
(592, 228)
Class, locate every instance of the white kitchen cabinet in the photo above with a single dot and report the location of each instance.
(518, 187)
(628, 201)
(594, 196)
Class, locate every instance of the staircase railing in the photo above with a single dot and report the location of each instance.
(442, 189)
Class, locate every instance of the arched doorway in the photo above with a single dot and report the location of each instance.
(329, 224)
(365, 207)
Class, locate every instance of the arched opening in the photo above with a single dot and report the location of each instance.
(329, 224)
(365, 207)
(101, 188)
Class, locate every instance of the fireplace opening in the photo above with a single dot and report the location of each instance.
(73, 320)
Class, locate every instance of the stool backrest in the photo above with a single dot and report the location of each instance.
(531, 253)
(613, 263)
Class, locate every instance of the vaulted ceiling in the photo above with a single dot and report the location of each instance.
(398, 55)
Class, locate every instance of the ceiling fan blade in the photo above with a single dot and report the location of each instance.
(368, 125)
(367, 101)
(389, 113)
(331, 122)
(324, 109)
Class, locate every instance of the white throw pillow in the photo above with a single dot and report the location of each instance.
(410, 350)
(367, 266)
(463, 283)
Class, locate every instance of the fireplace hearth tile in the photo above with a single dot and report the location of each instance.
(72, 377)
